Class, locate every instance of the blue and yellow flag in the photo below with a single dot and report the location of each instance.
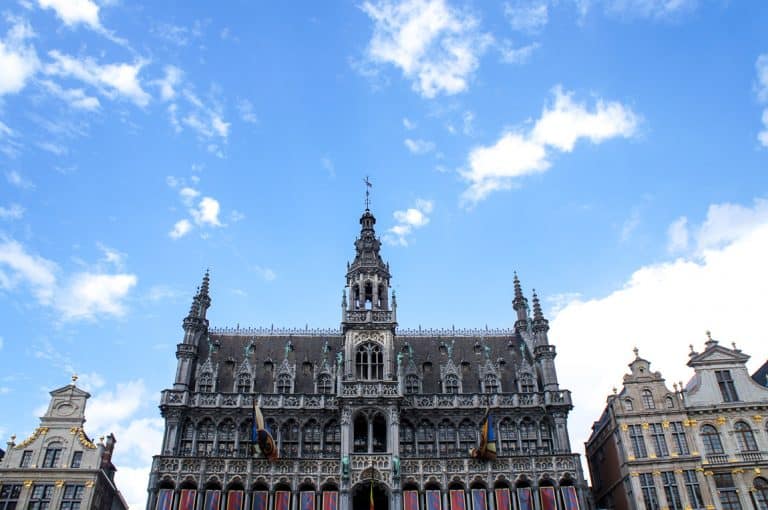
(487, 448)
(261, 437)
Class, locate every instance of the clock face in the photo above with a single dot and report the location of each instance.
(65, 409)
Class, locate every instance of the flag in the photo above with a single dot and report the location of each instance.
(487, 448)
(261, 437)
(371, 501)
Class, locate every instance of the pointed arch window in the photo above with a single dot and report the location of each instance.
(360, 434)
(332, 437)
(379, 437)
(284, 383)
(187, 438)
(407, 439)
(244, 383)
(289, 439)
(206, 432)
(425, 438)
(451, 384)
(648, 399)
(310, 439)
(528, 439)
(205, 382)
(745, 437)
(545, 433)
(226, 436)
(508, 436)
(411, 384)
(491, 384)
(324, 384)
(446, 438)
(369, 361)
(711, 439)
(467, 435)
(244, 435)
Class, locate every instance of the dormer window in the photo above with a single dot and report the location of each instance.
(727, 388)
(284, 383)
(526, 384)
(451, 384)
(491, 384)
(411, 384)
(205, 383)
(243, 383)
(324, 384)
(648, 400)
(628, 406)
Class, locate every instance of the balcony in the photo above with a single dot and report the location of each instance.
(504, 400)
(370, 389)
(363, 316)
(717, 458)
(750, 456)
(237, 400)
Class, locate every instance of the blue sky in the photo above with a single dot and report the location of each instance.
(612, 152)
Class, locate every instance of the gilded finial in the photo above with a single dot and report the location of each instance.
(709, 335)
(74, 378)
(13, 438)
(636, 351)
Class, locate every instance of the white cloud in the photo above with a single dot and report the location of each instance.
(419, 146)
(207, 128)
(16, 179)
(519, 153)
(86, 295)
(727, 222)
(519, 55)
(207, 212)
(112, 80)
(657, 9)
(677, 235)
(180, 229)
(53, 148)
(112, 256)
(18, 60)
(73, 12)
(265, 273)
(408, 220)
(90, 294)
(17, 266)
(408, 124)
(245, 108)
(762, 95)
(162, 293)
(661, 309)
(188, 195)
(12, 212)
(630, 225)
(435, 46)
(526, 16)
(468, 118)
(169, 82)
(328, 166)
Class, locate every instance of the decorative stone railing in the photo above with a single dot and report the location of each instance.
(330, 332)
(717, 459)
(365, 389)
(368, 316)
(180, 467)
(532, 465)
(751, 456)
(370, 389)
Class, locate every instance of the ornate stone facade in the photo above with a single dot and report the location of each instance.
(699, 446)
(58, 465)
(365, 405)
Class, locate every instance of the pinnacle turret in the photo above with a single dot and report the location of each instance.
(539, 322)
(520, 305)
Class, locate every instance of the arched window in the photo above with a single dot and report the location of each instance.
(508, 436)
(490, 384)
(407, 439)
(289, 439)
(451, 384)
(648, 400)
(284, 383)
(369, 361)
(187, 437)
(205, 383)
(425, 438)
(379, 439)
(467, 436)
(711, 439)
(244, 433)
(528, 439)
(332, 437)
(324, 384)
(310, 439)
(446, 438)
(761, 493)
(546, 437)
(226, 438)
(628, 404)
(526, 384)
(411, 384)
(360, 434)
(206, 431)
(52, 455)
(745, 437)
(244, 383)
(670, 403)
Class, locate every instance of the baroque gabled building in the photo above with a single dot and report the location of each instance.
(703, 445)
(58, 466)
(366, 414)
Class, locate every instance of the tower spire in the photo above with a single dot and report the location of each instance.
(539, 322)
(520, 305)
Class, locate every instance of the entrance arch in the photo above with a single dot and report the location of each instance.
(361, 496)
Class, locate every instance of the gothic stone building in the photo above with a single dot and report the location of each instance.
(58, 466)
(367, 414)
(699, 446)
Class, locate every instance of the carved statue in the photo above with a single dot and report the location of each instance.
(399, 360)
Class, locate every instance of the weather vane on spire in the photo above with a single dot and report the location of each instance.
(368, 186)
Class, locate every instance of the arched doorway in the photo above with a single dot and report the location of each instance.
(361, 496)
